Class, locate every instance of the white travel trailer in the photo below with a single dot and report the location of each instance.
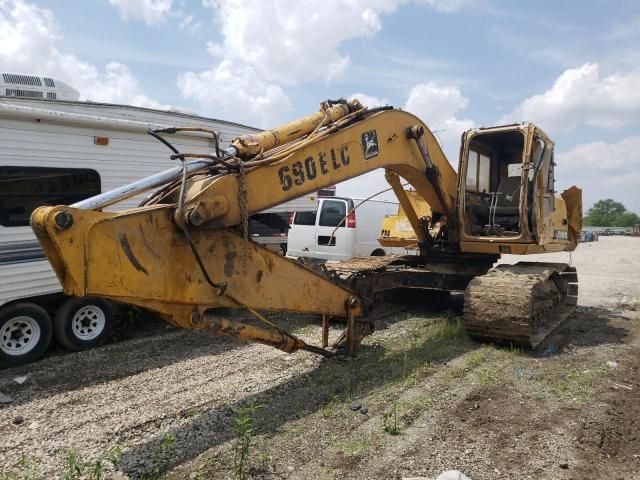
(54, 152)
(316, 234)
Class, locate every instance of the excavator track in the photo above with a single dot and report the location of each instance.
(520, 304)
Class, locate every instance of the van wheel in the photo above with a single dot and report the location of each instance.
(25, 334)
(82, 323)
(378, 252)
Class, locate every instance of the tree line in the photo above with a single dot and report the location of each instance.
(609, 213)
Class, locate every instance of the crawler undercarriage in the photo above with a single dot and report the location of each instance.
(517, 304)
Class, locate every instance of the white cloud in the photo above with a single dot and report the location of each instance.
(445, 5)
(369, 101)
(235, 92)
(580, 97)
(272, 45)
(603, 170)
(299, 40)
(439, 106)
(28, 35)
(153, 12)
(604, 156)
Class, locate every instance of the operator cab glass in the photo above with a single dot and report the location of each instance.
(494, 176)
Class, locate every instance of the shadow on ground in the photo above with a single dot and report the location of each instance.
(374, 367)
(159, 347)
(587, 326)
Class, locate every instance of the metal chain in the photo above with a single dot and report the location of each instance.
(244, 217)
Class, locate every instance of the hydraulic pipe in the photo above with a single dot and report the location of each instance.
(121, 193)
(254, 143)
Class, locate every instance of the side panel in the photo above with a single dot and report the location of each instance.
(369, 218)
(302, 237)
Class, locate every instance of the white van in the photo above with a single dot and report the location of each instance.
(310, 233)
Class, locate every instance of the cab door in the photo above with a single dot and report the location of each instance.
(543, 190)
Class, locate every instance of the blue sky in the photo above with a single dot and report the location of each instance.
(570, 66)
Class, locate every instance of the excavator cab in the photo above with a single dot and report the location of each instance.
(506, 184)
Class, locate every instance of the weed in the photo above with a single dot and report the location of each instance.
(164, 458)
(390, 421)
(167, 451)
(97, 470)
(73, 463)
(26, 470)
(354, 447)
(418, 404)
(329, 409)
(263, 459)
(476, 358)
(77, 468)
(192, 412)
(576, 385)
(488, 375)
(244, 421)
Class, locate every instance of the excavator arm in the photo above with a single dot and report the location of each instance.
(391, 139)
(185, 252)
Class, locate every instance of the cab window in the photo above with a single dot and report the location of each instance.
(478, 172)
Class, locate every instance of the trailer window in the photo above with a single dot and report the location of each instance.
(23, 189)
(333, 213)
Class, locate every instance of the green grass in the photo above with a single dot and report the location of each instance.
(575, 385)
(27, 469)
(329, 409)
(354, 447)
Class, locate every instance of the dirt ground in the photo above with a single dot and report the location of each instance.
(420, 398)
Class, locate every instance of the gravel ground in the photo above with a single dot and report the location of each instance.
(167, 399)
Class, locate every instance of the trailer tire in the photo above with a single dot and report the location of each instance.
(83, 323)
(378, 252)
(25, 334)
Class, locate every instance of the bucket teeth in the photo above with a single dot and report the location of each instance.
(520, 304)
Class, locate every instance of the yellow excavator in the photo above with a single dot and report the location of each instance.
(185, 252)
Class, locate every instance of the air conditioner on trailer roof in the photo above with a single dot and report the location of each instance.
(32, 86)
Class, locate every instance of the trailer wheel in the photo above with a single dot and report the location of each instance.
(378, 252)
(83, 323)
(25, 334)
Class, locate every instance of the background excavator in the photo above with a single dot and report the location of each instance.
(185, 252)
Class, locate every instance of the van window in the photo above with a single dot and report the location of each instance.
(333, 213)
(23, 189)
(304, 218)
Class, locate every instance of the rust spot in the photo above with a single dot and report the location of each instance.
(229, 263)
(124, 242)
